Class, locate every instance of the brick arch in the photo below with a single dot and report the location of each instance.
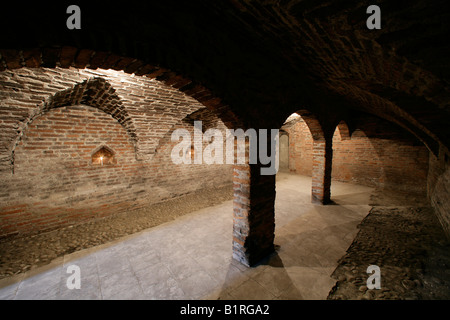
(313, 123)
(208, 119)
(95, 92)
(67, 56)
(343, 130)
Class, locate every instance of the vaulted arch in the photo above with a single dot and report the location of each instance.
(313, 123)
(343, 130)
(95, 92)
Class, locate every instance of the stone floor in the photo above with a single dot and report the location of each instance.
(190, 257)
(404, 239)
(21, 254)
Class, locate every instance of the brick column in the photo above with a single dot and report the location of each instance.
(321, 171)
(253, 207)
(253, 214)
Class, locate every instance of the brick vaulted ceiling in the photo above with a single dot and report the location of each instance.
(267, 59)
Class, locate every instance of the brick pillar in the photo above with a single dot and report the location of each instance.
(322, 158)
(321, 171)
(253, 213)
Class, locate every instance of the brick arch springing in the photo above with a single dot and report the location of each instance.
(343, 129)
(313, 124)
(95, 92)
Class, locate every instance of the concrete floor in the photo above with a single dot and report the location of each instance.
(190, 258)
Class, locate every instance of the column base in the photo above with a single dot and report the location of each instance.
(320, 200)
(250, 259)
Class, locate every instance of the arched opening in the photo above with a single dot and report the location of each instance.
(343, 130)
(310, 153)
(312, 238)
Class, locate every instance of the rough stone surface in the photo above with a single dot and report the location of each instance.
(407, 243)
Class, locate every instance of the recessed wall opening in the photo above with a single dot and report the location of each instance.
(104, 156)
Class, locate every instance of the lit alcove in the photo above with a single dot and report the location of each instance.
(103, 156)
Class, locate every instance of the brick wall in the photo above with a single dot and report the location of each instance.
(300, 147)
(382, 155)
(146, 107)
(378, 154)
(53, 120)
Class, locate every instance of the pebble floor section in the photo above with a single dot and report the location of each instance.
(407, 244)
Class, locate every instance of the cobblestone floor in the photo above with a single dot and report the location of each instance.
(407, 243)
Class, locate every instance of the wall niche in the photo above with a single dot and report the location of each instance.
(104, 156)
